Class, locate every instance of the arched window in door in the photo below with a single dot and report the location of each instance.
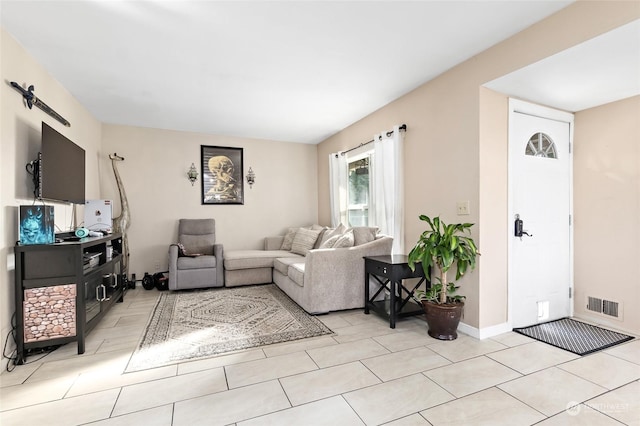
(541, 145)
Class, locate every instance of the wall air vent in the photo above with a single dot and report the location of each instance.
(604, 307)
(594, 304)
(610, 308)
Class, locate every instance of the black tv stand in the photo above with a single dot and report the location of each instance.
(78, 281)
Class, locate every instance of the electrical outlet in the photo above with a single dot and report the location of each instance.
(462, 207)
(156, 266)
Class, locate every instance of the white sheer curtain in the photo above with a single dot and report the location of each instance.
(388, 187)
(338, 188)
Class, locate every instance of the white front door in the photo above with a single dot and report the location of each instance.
(540, 275)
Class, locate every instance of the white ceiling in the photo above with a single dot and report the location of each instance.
(295, 71)
(598, 71)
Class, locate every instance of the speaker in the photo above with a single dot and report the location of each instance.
(82, 232)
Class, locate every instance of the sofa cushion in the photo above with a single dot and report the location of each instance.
(288, 238)
(304, 241)
(247, 259)
(296, 273)
(364, 234)
(281, 264)
(198, 262)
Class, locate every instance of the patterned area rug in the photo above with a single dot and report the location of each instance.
(574, 336)
(197, 324)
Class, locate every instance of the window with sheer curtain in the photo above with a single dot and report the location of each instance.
(366, 187)
(359, 190)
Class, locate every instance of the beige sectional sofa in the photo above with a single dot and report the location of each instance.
(318, 279)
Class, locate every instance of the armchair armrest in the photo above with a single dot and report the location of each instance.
(173, 254)
(218, 252)
(173, 264)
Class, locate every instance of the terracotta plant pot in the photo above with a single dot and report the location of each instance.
(443, 320)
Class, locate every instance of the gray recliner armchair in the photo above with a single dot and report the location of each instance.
(200, 265)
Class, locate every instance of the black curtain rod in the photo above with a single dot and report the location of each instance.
(403, 127)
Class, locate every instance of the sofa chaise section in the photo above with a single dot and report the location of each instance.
(247, 267)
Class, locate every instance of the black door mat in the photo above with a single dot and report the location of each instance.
(574, 336)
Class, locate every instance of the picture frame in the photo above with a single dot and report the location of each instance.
(222, 171)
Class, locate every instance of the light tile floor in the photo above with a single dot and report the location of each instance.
(365, 373)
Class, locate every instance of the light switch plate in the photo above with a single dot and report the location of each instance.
(462, 207)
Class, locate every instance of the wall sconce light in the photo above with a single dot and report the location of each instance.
(192, 174)
(251, 177)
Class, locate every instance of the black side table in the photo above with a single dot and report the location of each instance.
(389, 271)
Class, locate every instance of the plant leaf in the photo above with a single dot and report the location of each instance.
(443, 245)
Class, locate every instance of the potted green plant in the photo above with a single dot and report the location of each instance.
(442, 246)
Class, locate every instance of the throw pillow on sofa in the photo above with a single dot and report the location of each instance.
(364, 234)
(346, 240)
(340, 241)
(304, 240)
(329, 243)
(332, 232)
(320, 238)
(288, 239)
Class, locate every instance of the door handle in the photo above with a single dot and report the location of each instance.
(518, 228)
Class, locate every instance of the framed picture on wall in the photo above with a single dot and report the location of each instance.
(221, 175)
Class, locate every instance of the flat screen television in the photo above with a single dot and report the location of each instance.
(61, 168)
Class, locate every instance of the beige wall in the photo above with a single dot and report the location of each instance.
(20, 130)
(448, 145)
(607, 209)
(494, 232)
(154, 174)
(159, 193)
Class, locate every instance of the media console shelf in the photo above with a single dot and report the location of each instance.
(63, 290)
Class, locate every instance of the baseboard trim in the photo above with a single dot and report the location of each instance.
(484, 333)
